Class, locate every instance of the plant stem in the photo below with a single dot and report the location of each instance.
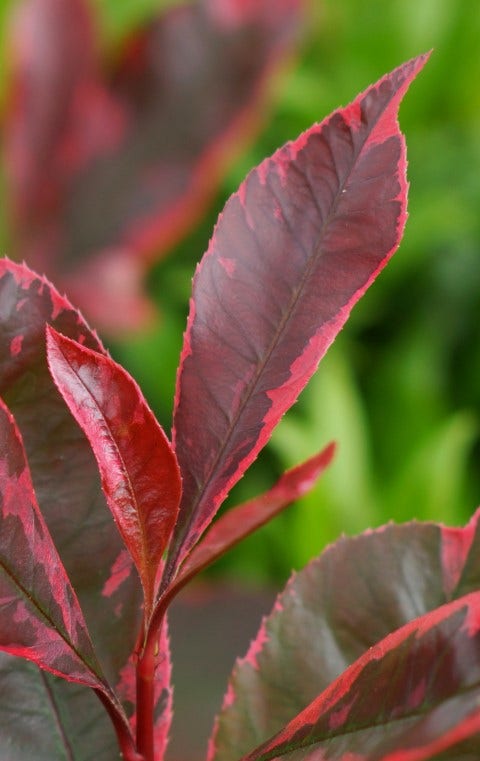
(146, 696)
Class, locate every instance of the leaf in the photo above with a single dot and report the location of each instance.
(41, 619)
(64, 471)
(292, 252)
(417, 688)
(46, 718)
(246, 518)
(139, 471)
(111, 162)
(330, 615)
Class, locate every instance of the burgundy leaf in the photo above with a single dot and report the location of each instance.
(64, 470)
(139, 471)
(110, 163)
(41, 619)
(163, 693)
(244, 519)
(292, 252)
(418, 685)
(343, 603)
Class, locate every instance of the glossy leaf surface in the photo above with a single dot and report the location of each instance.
(330, 615)
(64, 471)
(292, 252)
(139, 471)
(111, 162)
(40, 618)
(238, 522)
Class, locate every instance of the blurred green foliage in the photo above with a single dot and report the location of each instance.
(400, 389)
(120, 17)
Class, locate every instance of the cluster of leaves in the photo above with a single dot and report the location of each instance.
(372, 651)
(105, 167)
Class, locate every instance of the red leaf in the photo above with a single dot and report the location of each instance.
(41, 618)
(63, 467)
(293, 250)
(244, 519)
(139, 471)
(417, 691)
(108, 170)
(64, 472)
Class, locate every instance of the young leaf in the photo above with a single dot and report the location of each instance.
(139, 471)
(41, 619)
(331, 613)
(106, 166)
(292, 252)
(64, 470)
(244, 519)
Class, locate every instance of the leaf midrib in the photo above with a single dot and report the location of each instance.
(144, 555)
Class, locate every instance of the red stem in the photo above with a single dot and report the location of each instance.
(146, 695)
(146, 666)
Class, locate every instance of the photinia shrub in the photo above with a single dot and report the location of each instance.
(372, 651)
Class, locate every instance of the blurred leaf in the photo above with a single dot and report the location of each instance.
(109, 167)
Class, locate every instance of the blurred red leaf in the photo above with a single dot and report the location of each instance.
(110, 164)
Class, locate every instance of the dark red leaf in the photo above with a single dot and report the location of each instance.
(244, 519)
(330, 614)
(292, 252)
(108, 170)
(139, 471)
(40, 618)
(64, 471)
